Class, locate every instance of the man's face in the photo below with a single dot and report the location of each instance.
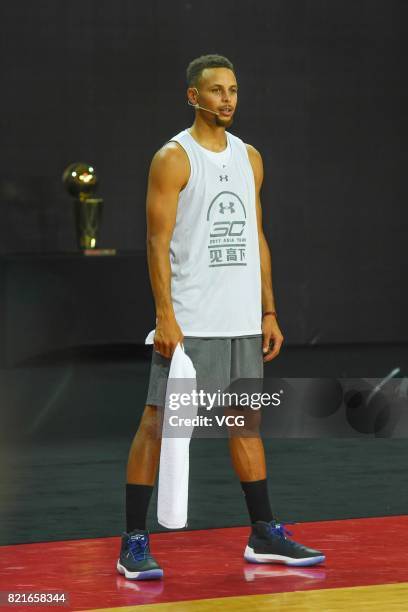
(218, 91)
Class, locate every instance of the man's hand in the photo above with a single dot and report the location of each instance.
(168, 335)
(272, 335)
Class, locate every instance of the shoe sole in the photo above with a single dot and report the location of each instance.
(253, 557)
(152, 574)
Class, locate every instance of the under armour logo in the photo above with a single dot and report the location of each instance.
(230, 206)
(224, 178)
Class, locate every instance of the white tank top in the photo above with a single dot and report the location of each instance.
(214, 250)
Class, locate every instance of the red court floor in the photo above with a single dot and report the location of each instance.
(208, 564)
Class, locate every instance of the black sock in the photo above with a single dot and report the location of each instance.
(257, 500)
(137, 502)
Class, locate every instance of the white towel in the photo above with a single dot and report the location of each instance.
(172, 500)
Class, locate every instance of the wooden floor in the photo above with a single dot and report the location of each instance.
(370, 599)
(366, 568)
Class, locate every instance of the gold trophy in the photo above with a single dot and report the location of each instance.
(80, 180)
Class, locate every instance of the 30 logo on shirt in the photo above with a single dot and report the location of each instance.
(227, 237)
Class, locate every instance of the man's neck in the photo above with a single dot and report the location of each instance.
(209, 136)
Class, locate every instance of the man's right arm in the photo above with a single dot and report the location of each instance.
(168, 175)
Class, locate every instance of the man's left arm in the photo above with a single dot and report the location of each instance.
(272, 335)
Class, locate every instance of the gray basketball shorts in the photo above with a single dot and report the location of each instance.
(218, 362)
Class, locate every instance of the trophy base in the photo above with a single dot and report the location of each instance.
(99, 252)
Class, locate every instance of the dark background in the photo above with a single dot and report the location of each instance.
(322, 96)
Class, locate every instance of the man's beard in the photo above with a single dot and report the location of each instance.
(224, 123)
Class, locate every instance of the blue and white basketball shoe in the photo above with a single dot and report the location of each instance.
(268, 544)
(135, 561)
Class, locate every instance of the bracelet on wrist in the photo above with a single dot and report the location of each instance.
(269, 312)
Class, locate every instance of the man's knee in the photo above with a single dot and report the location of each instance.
(243, 421)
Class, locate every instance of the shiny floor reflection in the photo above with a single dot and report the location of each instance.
(207, 564)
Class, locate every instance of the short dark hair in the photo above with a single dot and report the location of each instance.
(196, 67)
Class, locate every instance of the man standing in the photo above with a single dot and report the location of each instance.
(210, 271)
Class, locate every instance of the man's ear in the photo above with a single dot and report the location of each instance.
(193, 97)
